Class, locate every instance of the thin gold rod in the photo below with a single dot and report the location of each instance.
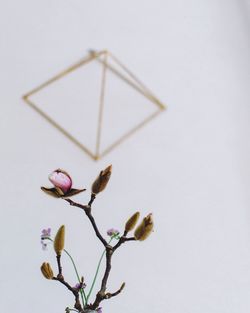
(57, 126)
(101, 106)
(139, 82)
(130, 133)
(131, 84)
(63, 73)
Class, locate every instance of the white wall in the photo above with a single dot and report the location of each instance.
(190, 167)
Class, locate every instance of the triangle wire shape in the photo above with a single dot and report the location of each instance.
(122, 72)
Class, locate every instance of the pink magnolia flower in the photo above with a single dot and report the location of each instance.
(61, 180)
(62, 185)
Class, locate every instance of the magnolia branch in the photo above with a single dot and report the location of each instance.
(110, 295)
(122, 240)
(58, 258)
(102, 295)
(63, 189)
(75, 292)
(60, 278)
(87, 210)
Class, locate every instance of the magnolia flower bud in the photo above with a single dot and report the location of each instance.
(101, 181)
(59, 240)
(47, 270)
(145, 228)
(62, 185)
(130, 225)
(61, 180)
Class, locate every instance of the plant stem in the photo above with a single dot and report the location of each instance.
(97, 271)
(82, 292)
(101, 294)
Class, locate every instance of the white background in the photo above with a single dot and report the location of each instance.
(190, 166)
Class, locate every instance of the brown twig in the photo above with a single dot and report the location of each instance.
(109, 252)
(58, 258)
(122, 240)
(75, 292)
(87, 210)
(71, 202)
(102, 295)
(60, 278)
(110, 295)
(92, 199)
(98, 234)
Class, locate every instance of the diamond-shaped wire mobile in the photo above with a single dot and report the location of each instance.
(122, 72)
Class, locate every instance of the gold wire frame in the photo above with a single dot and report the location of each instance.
(103, 57)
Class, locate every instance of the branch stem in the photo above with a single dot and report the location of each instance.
(58, 259)
(97, 271)
(82, 292)
(87, 210)
(75, 292)
(109, 250)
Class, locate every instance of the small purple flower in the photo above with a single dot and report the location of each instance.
(113, 232)
(80, 286)
(46, 233)
(99, 310)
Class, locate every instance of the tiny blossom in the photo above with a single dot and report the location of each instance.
(99, 310)
(80, 286)
(46, 233)
(113, 232)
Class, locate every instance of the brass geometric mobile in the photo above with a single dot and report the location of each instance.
(109, 64)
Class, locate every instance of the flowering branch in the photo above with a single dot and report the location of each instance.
(48, 274)
(101, 295)
(63, 189)
(109, 252)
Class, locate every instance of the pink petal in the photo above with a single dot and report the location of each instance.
(61, 180)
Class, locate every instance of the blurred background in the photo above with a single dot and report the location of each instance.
(189, 166)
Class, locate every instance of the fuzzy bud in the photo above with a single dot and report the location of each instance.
(130, 225)
(59, 240)
(47, 271)
(102, 180)
(145, 228)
